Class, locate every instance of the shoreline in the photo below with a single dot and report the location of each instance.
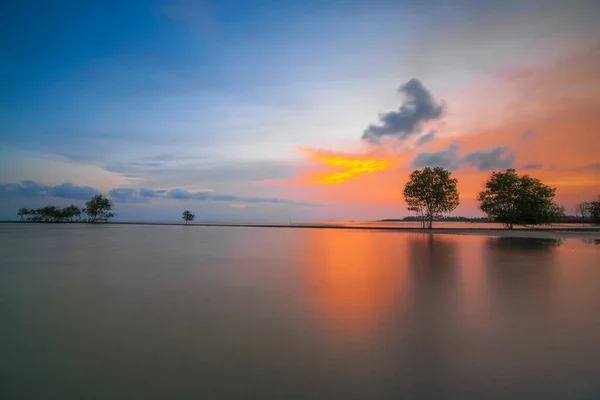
(592, 233)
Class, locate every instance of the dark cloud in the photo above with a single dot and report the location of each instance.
(130, 195)
(527, 134)
(592, 167)
(489, 160)
(449, 159)
(126, 195)
(150, 193)
(428, 137)
(532, 166)
(181, 194)
(34, 189)
(419, 107)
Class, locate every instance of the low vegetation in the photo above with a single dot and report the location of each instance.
(51, 214)
(97, 209)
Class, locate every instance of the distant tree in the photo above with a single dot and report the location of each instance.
(594, 211)
(430, 193)
(71, 213)
(23, 213)
(523, 200)
(35, 215)
(583, 210)
(98, 209)
(49, 213)
(187, 216)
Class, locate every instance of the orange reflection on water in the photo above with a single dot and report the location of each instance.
(353, 279)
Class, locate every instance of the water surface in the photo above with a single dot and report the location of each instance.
(147, 312)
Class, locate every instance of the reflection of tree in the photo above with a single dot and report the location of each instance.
(434, 276)
(523, 244)
(521, 274)
(591, 241)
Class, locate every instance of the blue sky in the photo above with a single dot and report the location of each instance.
(216, 95)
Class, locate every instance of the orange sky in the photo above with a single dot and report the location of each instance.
(557, 100)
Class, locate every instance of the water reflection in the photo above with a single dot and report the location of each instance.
(523, 244)
(522, 278)
(171, 312)
(354, 278)
(434, 274)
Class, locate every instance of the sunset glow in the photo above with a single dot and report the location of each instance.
(316, 115)
(351, 166)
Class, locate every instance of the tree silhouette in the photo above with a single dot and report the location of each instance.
(513, 199)
(98, 209)
(187, 216)
(431, 193)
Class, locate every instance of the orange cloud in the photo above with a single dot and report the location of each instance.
(352, 166)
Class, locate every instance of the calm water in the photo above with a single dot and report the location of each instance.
(157, 312)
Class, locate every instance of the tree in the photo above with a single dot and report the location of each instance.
(431, 193)
(187, 216)
(23, 213)
(513, 199)
(594, 211)
(98, 209)
(583, 210)
(49, 213)
(71, 212)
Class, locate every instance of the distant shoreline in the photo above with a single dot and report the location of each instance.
(561, 232)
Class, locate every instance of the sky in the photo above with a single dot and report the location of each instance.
(292, 110)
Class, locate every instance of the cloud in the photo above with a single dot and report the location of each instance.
(201, 171)
(449, 159)
(150, 193)
(34, 189)
(348, 166)
(527, 134)
(590, 167)
(419, 107)
(428, 137)
(131, 195)
(489, 160)
(126, 195)
(532, 166)
(180, 194)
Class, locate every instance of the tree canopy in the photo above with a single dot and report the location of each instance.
(187, 216)
(50, 214)
(98, 209)
(430, 193)
(594, 211)
(518, 200)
